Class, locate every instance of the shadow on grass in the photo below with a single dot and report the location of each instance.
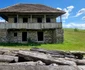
(19, 44)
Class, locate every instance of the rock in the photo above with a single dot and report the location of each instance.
(13, 66)
(24, 63)
(80, 62)
(53, 64)
(8, 52)
(47, 59)
(40, 63)
(81, 67)
(54, 53)
(8, 58)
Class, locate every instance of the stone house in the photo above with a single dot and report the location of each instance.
(33, 22)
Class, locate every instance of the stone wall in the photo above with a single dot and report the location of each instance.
(31, 34)
(49, 36)
(59, 35)
(18, 39)
(3, 35)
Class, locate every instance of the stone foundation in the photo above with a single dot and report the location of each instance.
(59, 35)
(49, 36)
(3, 35)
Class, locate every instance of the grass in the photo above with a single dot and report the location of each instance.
(73, 40)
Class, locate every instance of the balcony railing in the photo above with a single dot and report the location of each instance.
(30, 25)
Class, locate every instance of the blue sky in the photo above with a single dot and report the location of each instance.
(75, 10)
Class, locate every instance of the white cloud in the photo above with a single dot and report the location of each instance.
(2, 20)
(74, 25)
(59, 8)
(83, 18)
(80, 12)
(67, 10)
(70, 8)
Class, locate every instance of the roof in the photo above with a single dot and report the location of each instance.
(30, 8)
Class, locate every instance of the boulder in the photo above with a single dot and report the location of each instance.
(46, 58)
(13, 66)
(8, 58)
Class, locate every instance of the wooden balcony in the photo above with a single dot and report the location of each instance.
(30, 25)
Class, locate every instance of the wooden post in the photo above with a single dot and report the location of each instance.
(17, 18)
(60, 18)
(30, 18)
(44, 18)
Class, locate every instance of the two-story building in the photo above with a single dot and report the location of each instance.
(33, 22)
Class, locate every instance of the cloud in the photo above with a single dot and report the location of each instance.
(67, 10)
(59, 8)
(80, 12)
(83, 18)
(74, 25)
(2, 20)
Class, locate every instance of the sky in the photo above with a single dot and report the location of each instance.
(75, 10)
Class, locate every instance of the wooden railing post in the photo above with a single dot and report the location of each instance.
(30, 18)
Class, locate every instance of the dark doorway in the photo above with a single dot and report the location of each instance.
(39, 20)
(24, 36)
(40, 36)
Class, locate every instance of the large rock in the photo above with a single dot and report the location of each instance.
(81, 67)
(46, 58)
(54, 53)
(8, 58)
(35, 67)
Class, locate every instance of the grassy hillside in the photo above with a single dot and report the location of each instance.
(73, 40)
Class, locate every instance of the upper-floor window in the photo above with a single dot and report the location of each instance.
(25, 20)
(48, 20)
(15, 19)
(39, 20)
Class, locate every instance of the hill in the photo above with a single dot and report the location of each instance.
(74, 39)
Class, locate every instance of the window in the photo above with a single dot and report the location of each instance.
(15, 20)
(39, 20)
(15, 34)
(48, 20)
(25, 20)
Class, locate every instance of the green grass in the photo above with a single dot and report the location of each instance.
(73, 40)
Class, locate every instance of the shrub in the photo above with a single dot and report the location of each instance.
(76, 30)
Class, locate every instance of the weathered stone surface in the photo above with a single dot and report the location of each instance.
(46, 58)
(80, 62)
(29, 63)
(59, 35)
(8, 52)
(8, 58)
(49, 36)
(54, 53)
(81, 67)
(35, 67)
(3, 35)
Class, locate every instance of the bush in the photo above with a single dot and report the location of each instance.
(76, 30)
